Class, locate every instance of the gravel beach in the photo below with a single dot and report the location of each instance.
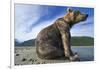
(27, 56)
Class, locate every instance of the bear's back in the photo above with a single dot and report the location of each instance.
(49, 33)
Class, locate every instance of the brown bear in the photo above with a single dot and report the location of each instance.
(54, 41)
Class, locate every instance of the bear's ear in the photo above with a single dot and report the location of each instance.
(69, 10)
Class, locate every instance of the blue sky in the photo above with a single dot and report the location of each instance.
(31, 19)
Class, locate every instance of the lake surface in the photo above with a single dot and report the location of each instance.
(86, 53)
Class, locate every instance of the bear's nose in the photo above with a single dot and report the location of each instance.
(86, 15)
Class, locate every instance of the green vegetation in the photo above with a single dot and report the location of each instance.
(82, 41)
(75, 41)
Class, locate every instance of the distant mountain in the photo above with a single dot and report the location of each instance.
(26, 43)
(75, 41)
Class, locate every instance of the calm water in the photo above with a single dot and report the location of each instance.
(86, 53)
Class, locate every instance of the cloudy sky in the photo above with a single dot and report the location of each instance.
(30, 19)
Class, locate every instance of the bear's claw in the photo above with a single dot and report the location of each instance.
(74, 58)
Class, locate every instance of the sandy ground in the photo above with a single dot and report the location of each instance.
(27, 55)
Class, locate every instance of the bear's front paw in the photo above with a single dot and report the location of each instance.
(67, 55)
(74, 58)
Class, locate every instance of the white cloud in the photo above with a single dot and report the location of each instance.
(25, 16)
(23, 36)
(83, 31)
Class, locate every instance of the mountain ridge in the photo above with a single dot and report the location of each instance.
(75, 41)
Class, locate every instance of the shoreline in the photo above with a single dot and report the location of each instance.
(26, 55)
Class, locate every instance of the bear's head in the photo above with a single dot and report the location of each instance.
(74, 17)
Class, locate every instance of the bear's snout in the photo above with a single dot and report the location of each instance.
(85, 17)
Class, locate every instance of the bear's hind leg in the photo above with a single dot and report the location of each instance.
(49, 52)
